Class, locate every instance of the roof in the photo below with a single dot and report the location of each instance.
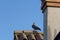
(28, 34)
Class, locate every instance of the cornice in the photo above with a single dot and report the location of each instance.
(46, 4)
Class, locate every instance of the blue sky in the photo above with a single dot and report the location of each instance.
(19, 15)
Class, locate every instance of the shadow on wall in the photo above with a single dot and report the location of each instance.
(24, 39)
(57, 37)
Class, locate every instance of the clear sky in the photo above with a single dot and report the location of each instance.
(19, 15)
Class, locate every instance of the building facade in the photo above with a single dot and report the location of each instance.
(28, 35)
(51, 19)
(51, 14)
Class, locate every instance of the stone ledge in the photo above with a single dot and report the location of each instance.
(49, 3)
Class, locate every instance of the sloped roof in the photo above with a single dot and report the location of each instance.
(28, 34)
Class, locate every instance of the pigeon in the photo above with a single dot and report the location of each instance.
(35, 27)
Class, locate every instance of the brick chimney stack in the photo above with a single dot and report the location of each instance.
(51, 18)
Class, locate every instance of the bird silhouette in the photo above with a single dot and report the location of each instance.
(35, 27)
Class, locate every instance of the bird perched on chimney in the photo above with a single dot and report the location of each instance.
(35, 27)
